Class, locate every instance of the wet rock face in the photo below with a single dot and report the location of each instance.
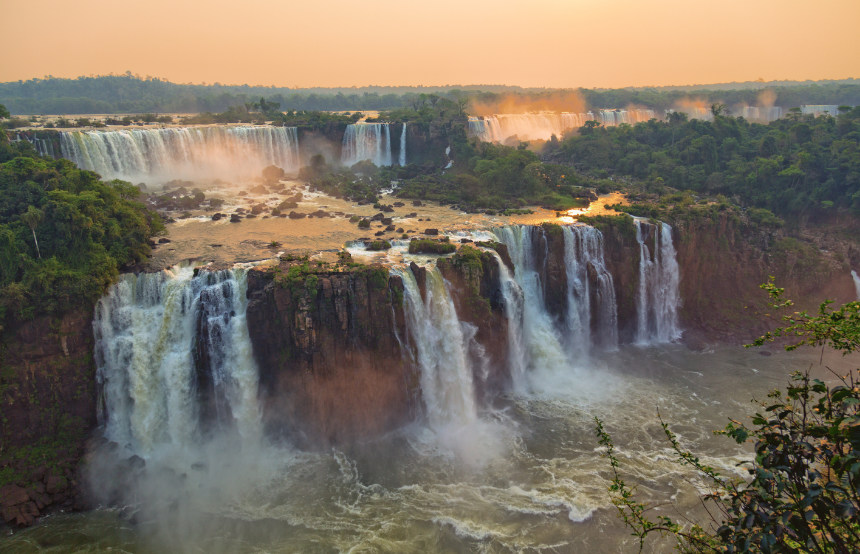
(331, 366)
(47, 403)
(476, 288)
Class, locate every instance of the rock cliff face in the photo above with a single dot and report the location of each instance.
(477, 292)
(47, 409)
(327, 346)
(723, 262)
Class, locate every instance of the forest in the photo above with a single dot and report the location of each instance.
(129, 93)
(64, 233)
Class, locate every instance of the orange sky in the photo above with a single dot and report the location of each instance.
(551, 43)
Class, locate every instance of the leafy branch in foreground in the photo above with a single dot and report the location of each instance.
(803, 487)
(838, 328)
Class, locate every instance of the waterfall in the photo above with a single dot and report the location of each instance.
(403, 145)
(171, 349)
(441, 350)
(152, 155)
(543, 125)
(590, 292)
(856, 282)
(367, 141)
(658, 298)
(514, 310)
(543, 346)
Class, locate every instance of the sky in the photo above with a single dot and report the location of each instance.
(531, 43)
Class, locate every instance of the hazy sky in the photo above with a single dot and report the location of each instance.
(552, 43)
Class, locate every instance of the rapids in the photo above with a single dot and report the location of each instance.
(544, 489)
(523, 474)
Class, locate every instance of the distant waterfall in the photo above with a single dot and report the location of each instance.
(543, 125)
(42, 146)
(153, 155)
(591, 291)
(856, 282)
(367, 141)
(173, 356)
(403, 146)
(658, 297)
(441, 350)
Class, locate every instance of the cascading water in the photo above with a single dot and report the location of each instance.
(367, 141)
(543, 346)
(447, 385)
(543, 125)
(658, 298)
(856, 282)
(590, 292)
(170, 348)
(402, 159)
(152, 155)
(514, 310)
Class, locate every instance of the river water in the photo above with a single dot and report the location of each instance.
(528, 478)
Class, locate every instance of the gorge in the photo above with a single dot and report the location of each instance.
(355, 399)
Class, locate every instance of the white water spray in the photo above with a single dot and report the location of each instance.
(856, 282)
(590, 292)
(146, 330)
(514, 310)
(447, 383)
(153, 155)
(403, 146)
(658, 297)
(367, 141)
(542, 342)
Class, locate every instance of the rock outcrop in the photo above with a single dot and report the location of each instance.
(47, 409)
(477, 292)
(327, 345)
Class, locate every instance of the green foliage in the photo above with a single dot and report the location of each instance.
(801, 164)
(378, 245)
(362, 183)
(64, 234)
(622, 222)
(430, 246)
(803, 492)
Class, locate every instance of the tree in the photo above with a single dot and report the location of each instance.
(4, 113)
(804, 489)
(32, 217)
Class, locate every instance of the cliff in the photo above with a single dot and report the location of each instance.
(48, 399)
(723, 258)
(326, 342)
(476, 288)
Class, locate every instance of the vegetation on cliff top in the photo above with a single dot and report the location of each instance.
(803, 492)
(64, 233)
(130, 93)
(795, 165)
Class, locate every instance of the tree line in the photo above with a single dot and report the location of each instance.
(64, 233)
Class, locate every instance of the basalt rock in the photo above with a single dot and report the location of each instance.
(475, 279)
(48, 401)
(326, 343)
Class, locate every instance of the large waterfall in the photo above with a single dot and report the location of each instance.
(157, 155)
(441, 351)
(174, 359)
(402, 155)
(658, 298)
(543, 125)
(543, 342)
(591, 291)
(368, 141)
